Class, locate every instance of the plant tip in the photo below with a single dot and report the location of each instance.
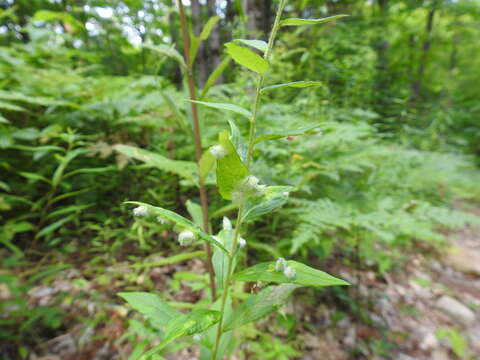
(140, 211)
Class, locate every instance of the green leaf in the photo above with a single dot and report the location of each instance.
(220, 260)
(33, 176)
(257, 44)
(207, 29)
(54, 226)
(230, 168)
(258, 306)
(170, 260)
(152, 306)
(223, 106)
(195, 211)
(196, 322)
(185, 169)
(167, 51)
(237, 140)
(300, 22)
(247, 58)
(4, 120)
(10, 107)
(285, 133)
(275, 197)
(294, 84)
(212, 79)
(47, 15)
(64, 161)
(180, 221)
(305, 275)
(206, 164)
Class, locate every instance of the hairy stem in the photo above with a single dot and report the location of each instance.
(198, 144)
(251, 145)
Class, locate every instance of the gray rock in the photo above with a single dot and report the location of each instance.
(456, 310)
(464, 259)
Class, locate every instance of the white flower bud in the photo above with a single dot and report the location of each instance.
(218, 151)
(280, 264)
(251, 181)
(286, 193)
(227, 224)
(260, 189)
(186, 237)
(140, 211)
(162, 220)
(197, 337)
(242, 242)
(289, 272)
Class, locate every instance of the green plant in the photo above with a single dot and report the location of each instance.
(213, 326)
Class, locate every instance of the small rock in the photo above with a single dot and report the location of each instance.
(463, 259)
(473, 336)
(440, 354)
(429, 342)
(456, 310)
(40, 291)
(403, 356)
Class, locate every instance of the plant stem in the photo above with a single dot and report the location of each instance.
(251, 145)
(198, 144)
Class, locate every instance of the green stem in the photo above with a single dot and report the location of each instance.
(251, 145)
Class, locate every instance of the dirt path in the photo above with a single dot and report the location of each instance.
(429, 311)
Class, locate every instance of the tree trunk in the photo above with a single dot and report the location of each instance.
(417, 83)
(259, 17)
(382, 77)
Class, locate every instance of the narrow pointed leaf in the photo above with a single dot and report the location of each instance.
(212, 79)
(230, 168)
(300, 22)
(185, 169)
(167, 51)
(283, 134)
(196, 322)
(207, 29)
(180, 221)
(257, 44)
(305, 275)
(294, 84)
(152, 306)
(223, 106)
(206, 164)
(275, 197)
(247, 58)
(258, 306)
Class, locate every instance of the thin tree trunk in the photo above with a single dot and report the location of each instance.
(417, 83)
(382, 81)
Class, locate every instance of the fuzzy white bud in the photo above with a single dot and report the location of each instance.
(242, 242)
(227, 224)
(280, 264)
(186, 237)
(140, 211)
(218, 151)
(286, 193)
(197, 337)
(289, 272)
(162, 220)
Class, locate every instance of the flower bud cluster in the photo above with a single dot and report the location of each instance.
(186, 237)
(249, 187)
(288, 271)
(218, 151)
(140, 211)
